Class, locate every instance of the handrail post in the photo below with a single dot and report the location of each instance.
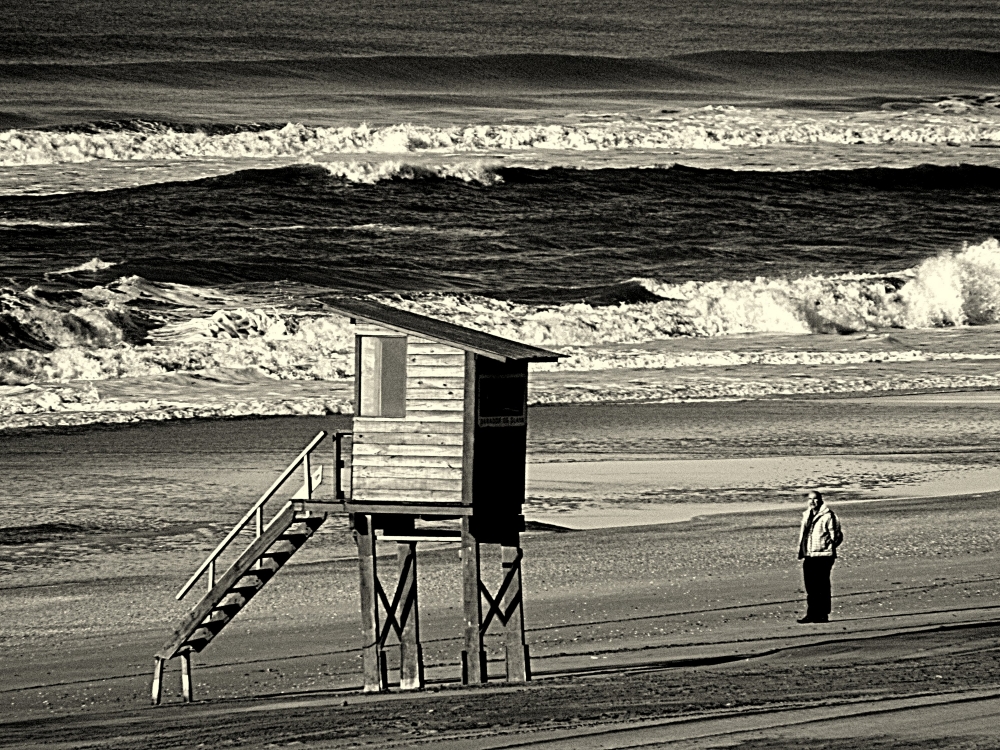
(306, 469)
(337, 493)
(338, 464)
(211, 575)
(260, 530)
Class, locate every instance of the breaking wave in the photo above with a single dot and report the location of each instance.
(369, 173)
(134, 327)
(950, 121)
(94, 264)
(167, 351)
(950, 289)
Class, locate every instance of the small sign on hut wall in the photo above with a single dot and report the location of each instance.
(503, 400)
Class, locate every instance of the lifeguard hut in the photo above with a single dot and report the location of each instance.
(439, 435)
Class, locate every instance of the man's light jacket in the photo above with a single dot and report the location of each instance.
(820, 535)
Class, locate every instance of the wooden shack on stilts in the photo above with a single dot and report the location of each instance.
(437, 453)
(440, 433)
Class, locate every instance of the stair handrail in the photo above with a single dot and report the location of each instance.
(242, 523)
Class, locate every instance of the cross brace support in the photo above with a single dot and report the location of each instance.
(380, 616)
(506, 606)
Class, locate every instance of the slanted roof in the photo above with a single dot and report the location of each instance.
(468, 339)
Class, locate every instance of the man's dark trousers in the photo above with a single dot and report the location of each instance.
(816, 576)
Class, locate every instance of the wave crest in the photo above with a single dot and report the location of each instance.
(369, 173)
(951, 289)
(98, 333)
(709, 128)
(92, 265)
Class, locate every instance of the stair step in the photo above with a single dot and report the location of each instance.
(264, 568)
(218, 615)
(232, 600)
(248, 583)
(230, 608)
(199, 639)
(207, 633)
(268, 566)
(281, 547)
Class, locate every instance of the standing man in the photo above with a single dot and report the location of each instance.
(818, 542)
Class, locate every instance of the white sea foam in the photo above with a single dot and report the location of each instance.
(381, 228)
(193, 330)
(33, 405)
(747, 388)
(294, 359)
(699, 129)
(129, 288)
(591, 360)
(94, 264)
(950, 289)
(9, 224)
(371, 172)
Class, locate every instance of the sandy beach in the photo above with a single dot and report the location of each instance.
(656, 588)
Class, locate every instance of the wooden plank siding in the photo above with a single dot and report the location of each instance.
(407, 427)
(434, 382)
(395, 471)
(418, 438)
(383, 449)
(416, 459)
(434, 360)
(422, 496)
(429, 347)
(422, 371)
(432, 404)
(414, 486)
(430, 462)
(418, 390)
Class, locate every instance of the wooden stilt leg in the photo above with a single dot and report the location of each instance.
(518, 669)
(157, 681)
(473, 655)
(364, 536)
(411, 662)
(187, 686)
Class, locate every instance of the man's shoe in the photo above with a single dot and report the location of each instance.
(822, 619)
(804, 620)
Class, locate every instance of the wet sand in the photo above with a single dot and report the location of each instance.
(625, 623)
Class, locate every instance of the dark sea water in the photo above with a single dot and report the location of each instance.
(182, 185)
(539, 236)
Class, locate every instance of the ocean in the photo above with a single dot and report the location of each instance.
(691, 201)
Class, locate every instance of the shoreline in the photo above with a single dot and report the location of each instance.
(662, 461)
(332, 405)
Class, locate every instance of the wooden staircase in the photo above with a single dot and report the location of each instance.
(273, 545)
